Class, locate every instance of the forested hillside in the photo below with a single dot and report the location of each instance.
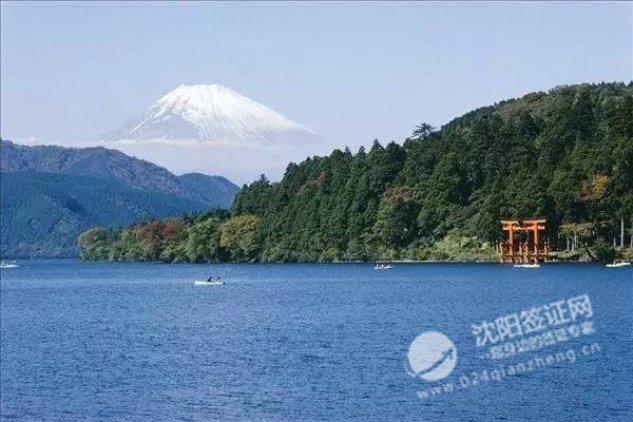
(114, 166)
(50, 194)
(43, 213)
(566, 155)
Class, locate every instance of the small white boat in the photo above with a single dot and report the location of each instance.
(619, 264)
(208, 283)
(383, 267)
(527, 266)
(5, 264)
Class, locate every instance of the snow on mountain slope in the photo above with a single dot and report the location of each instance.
(213, 114)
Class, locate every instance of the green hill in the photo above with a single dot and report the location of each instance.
(566, 155)
(50, 194)
(43, 213)
(112, 165)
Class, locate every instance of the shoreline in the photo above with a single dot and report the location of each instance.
(407, 261)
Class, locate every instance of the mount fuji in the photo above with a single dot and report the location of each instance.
(213, 114)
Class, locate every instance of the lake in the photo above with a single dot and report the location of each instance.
(300, 342)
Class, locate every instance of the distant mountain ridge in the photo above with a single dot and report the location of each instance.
(212, 114)
(108, 164)
(198, 185)
(51, 193)
(43, 213)
(94, 161)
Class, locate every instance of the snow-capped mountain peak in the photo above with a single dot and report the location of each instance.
(214, 114)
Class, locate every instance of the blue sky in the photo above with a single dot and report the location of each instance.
(350, 71)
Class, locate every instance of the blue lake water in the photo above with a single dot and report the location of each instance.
(112, 341)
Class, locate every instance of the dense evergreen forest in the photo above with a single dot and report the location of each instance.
(566, 155)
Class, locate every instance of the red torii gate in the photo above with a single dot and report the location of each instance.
(514, 250)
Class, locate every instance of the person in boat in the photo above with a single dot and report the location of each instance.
(210, 278)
